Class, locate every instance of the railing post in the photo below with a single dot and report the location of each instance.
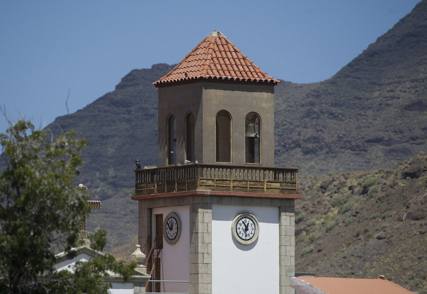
(186, 176)
(200, 172)
(175, 174)
(231, 178)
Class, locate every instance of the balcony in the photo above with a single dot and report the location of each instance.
(216, 178)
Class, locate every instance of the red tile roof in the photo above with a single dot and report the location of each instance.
(215, 58)
(329, 285)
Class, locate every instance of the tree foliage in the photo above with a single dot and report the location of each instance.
(40, 204)
(40, 207)
(98, 240)
(92, 276)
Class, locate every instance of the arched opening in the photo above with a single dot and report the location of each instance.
(252, 137)
(171, 148)
(223, 136)
(189, 137)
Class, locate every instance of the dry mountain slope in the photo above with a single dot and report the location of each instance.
(366, 224)
(119, 127)
(372, 113)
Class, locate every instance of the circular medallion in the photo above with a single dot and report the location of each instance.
(172, 228)
(245, 228)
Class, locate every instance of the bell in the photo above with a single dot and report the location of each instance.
(252, 128)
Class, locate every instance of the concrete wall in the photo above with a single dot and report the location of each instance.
(203, 258)
(238, 100)
(250, 269)
(179, 101)
(205, 100)
(121, 288)
(175, 259)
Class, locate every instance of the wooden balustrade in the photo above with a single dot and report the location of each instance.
(215, 177)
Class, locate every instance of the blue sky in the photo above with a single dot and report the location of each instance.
(51, 49)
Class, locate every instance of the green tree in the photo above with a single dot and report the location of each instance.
(98, 240)
(40, 204)
(40, 207)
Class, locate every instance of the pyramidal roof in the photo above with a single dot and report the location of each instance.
(215, 58)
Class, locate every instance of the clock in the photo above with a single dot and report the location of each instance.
(245, 228)
(172, 228)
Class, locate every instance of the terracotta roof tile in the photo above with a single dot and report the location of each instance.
(215, 57)
(332, 285)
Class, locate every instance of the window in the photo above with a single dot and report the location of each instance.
(189, 139)
(171, 150)
(252, 137)
(223, 136)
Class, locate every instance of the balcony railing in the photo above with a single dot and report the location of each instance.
(213, 177)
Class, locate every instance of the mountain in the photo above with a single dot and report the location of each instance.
(370, 115)
(119, 127)
(366, 224)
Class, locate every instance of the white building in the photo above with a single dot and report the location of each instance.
(135, 284)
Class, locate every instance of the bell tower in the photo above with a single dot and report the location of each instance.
(212, 105)
(217, 216)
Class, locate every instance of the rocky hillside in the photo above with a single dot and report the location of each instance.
(366, 224)
(120, 126)
(371, 114)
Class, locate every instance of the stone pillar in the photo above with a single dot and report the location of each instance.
(201, 249)
(287, 246)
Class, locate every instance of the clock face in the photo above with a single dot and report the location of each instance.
(245, 228)
(172, 228)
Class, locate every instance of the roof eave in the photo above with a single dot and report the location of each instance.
(166, 83)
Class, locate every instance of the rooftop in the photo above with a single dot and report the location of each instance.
(216, 58)
(331, 285)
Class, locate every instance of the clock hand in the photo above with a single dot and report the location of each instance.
(246, 226)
